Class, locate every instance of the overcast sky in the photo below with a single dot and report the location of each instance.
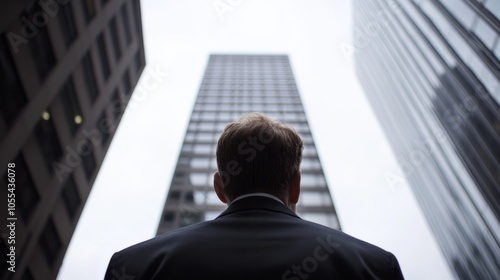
(126, 201)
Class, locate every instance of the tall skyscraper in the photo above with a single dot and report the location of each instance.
(234, 85)
(67, 71)
(431, 71)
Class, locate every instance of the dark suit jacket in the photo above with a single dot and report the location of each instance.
(255, 238)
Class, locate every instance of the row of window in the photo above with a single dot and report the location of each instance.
(228, 116)
(221, 62)
(211, 163)
(232, 80)
(301, 128)
(209, 149)
(249, 99)
(235, 93)
(268, 108)
(249, 74)
(213, 137)
(458, 43)
(14, 97)
(204, 179)
(261, 73)
(248, 86)
(50, 146)
(474, 22)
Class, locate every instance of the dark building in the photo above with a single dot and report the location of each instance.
(234, 85)
(431, 71)
(67, 71)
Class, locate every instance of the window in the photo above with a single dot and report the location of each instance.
(88, 72)
(49, 242)
(198, 179)
(117, 106)
(115, 39)
(47, 139)
(312, 180)
(202, 149)
(199, 197)
(189, 197)
(67, 23)
(88, 161)
(13, 98)
(486, 33)
(168, 217)
(27, 196)
(206, 126)
(40, 45)
(205, 137)
(126, 24)
(139, 62)
(189, 137)
(126, 83)
(105, 126)
(103, 56)
(137, 14)
(309, 150)
(183, 161)
(212, 198)
(174, 196)
(71, 106)
(200, 163)
(315, 199)
(308, 163)
(89, 9)
(71, 197)
(494, 7)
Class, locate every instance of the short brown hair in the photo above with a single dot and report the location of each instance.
(258, 154)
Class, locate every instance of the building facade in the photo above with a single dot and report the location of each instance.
(67, 71)
(431, 71)
(234, 85)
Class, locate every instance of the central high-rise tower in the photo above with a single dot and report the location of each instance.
(234, 85)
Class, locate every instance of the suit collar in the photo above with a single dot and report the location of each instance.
(257, 203)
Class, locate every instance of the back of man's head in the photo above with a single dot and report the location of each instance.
(258, 154)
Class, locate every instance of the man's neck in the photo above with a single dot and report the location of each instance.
(257, 194)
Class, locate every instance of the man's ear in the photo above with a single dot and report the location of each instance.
(219, 188)
(293, 198)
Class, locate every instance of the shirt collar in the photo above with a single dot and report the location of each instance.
(257, 194)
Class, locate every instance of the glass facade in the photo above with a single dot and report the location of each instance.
(61, 99)
(234, 85)
(431, 71)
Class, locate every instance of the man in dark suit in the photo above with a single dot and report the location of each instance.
(258, 236)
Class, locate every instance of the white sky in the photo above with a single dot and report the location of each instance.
(125, 204)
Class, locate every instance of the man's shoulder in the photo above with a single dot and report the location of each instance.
(341, 238)
(173, 237)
